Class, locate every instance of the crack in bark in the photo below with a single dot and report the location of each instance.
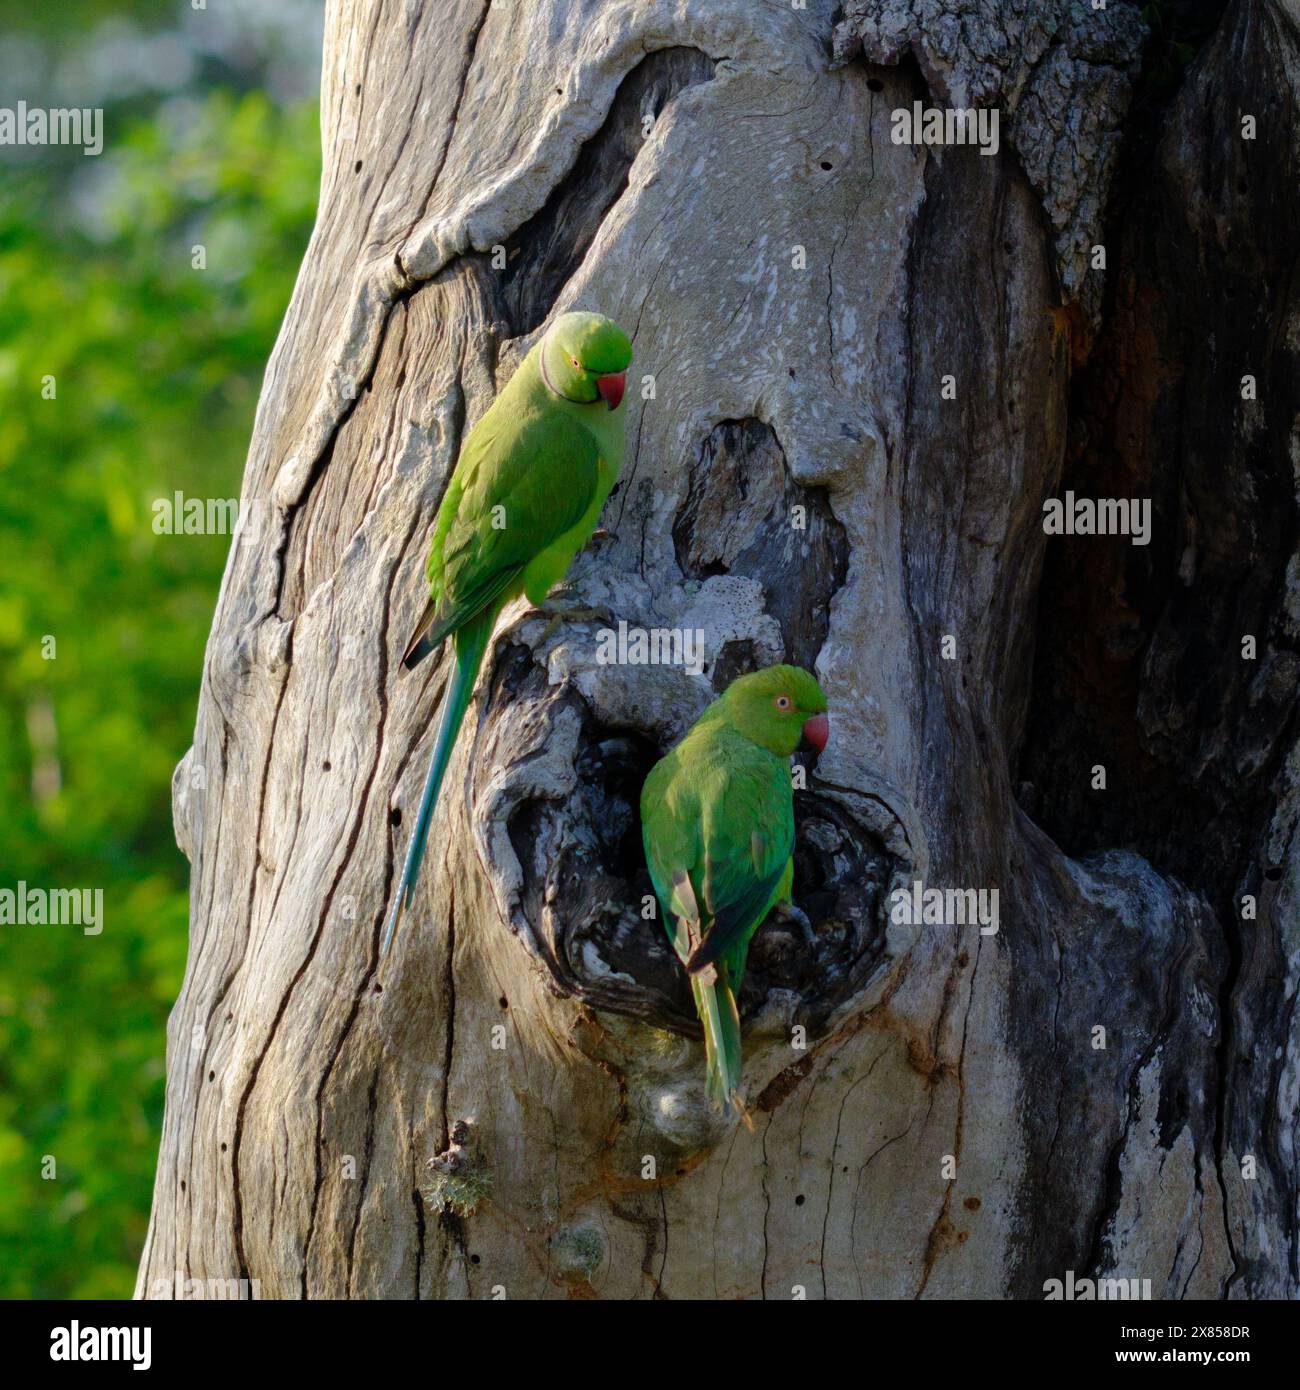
(471, 48)
(353, 837)
(450, 1040)
(248, 914)
(367, 1154)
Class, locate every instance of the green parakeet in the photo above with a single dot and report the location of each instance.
(717, 818)
(524, 498)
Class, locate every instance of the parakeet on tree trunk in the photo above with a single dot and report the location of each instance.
(525, 496)
(717, 818)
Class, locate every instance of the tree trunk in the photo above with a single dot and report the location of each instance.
(861, 369)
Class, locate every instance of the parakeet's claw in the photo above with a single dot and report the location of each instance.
(742, 1110)
(788, 912)
(556, 614)
(601, 534)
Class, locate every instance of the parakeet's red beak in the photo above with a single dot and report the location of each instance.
(611, 387)
(816, 731)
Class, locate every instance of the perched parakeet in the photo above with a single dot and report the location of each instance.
(717, 820)
(524, 498)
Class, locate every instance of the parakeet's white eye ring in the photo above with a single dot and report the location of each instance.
(783, 702)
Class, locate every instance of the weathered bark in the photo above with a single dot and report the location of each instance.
(952, 1127)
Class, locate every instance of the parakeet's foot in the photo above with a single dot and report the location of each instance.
(600, 534)
(788, 912)
(734, 1103)
(556, 614)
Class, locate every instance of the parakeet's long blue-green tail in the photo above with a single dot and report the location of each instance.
(716, 1005)
(469, 643)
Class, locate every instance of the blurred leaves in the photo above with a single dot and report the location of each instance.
(155, 367)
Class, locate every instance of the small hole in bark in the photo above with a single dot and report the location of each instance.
(395, 816)
(874, 84)
(182, 1184)
(972, 1204)
(1273, 873)
(826, 164)
(474, 1259)
(504, 1002)
(325, 766)
(223, 1148)
(799, 1200)
(212, 1076)
(356, 168)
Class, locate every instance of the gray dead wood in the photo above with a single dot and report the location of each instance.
(718, 175)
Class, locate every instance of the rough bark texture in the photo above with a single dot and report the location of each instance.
(476, 1118)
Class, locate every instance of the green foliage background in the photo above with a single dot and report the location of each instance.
(156, 368)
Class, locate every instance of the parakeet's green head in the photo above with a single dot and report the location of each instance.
(585, 358)
(782, 708)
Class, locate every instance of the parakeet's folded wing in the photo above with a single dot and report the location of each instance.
(518, 486)
(670, 822)
(747, 836)
(719, 811)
